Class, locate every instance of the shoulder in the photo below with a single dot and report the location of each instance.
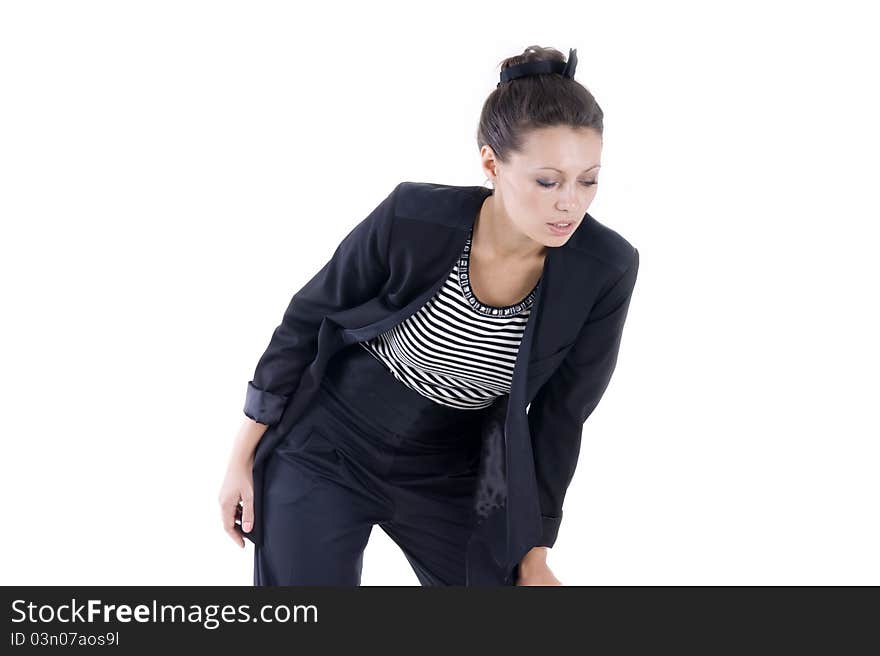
(416, 197)
(599, 242)
(451, 205)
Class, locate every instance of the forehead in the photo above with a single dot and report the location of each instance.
(562, 149)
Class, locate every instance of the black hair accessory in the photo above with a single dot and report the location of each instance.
(538, 67)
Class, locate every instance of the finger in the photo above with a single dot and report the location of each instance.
(229, 513)
(230, 528)
(236, 537)
(247, 513)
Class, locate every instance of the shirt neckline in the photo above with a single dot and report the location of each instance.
(483, 308)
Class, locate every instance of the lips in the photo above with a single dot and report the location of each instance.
(561, 231)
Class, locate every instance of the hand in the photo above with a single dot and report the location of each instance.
(238, 487)
(533, 569)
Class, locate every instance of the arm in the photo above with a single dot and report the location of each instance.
(560, 408)
(354, 274)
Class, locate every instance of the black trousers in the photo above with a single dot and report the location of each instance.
(370, 451)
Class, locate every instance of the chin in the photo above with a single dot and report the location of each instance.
(555, 240)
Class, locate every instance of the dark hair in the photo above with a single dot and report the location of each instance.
(521, 105)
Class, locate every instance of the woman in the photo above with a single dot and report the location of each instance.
(434, 376)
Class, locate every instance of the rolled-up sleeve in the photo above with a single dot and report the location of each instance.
(562, 405)
(355, 273)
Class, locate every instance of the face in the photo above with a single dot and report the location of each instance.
(553, 180)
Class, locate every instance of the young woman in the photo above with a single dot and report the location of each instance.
(433, 378)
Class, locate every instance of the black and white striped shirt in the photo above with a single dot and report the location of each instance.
(456, 350)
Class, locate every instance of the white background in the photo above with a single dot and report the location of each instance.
(171, 172)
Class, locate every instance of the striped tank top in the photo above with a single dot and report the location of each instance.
(456, 350)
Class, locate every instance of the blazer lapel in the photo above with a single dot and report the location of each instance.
(557, 316)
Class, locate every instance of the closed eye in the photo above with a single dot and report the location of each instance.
(551, 184)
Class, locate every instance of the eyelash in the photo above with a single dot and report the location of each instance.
(548, 185)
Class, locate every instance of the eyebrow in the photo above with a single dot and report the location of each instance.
(555, 169)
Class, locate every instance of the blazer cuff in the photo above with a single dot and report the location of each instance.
(549, 530)
(263, 407)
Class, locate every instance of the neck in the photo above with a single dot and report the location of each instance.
(499, 238)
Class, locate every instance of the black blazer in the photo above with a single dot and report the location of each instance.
(383, 271)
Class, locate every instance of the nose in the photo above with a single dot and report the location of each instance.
(567, 201)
